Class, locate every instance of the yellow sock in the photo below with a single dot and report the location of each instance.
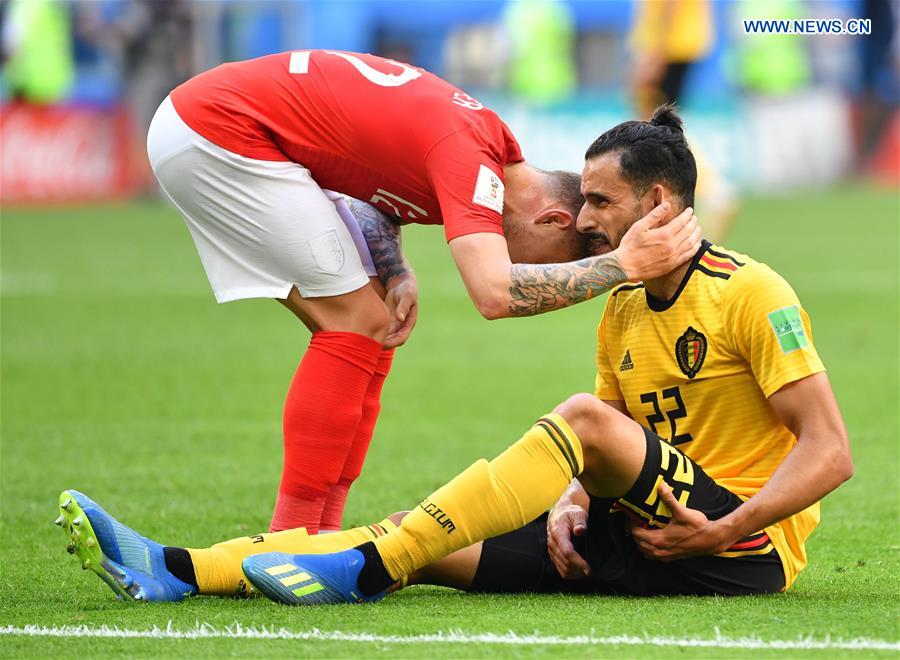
(218, 569)
(487, 499)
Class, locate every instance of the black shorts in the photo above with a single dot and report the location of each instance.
(519, 562)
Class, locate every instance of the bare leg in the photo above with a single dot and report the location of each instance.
(362, 311)
(456, 570)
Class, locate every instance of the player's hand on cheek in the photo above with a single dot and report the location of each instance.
(688, 534)
(402, 301)
(564, 522)
(655, 245)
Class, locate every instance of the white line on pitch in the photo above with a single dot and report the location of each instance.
(237, 631)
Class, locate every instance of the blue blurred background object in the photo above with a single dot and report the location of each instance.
(812, 109)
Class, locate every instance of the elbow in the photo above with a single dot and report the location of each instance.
(845, 466)
(491, 313)
(841, 463)
(492, 307)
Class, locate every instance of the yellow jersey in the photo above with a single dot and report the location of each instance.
(697, 370)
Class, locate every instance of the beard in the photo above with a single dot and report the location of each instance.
(598, 242)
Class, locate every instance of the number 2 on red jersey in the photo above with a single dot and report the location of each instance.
(299, 65)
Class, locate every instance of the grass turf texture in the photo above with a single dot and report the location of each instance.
(122, 378)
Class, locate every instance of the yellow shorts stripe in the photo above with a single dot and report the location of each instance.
(643, 514)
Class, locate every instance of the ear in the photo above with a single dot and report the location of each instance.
(659, 193)
(555, 217)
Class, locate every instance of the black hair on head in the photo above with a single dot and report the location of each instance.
(665, 115)
(652, 152)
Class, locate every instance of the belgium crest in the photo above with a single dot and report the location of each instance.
(690, 351)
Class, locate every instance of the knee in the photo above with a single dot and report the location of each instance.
(587, 416)
(584, 412)
(373, 320)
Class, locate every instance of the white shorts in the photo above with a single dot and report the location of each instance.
(261, 227)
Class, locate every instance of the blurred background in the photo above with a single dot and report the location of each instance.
(82, 78)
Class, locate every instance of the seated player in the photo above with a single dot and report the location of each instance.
(716, 357)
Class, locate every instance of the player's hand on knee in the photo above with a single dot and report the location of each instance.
(565, 522)
(689, 533)
(655, 245)
(402, 301)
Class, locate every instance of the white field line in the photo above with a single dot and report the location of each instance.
(237, 631)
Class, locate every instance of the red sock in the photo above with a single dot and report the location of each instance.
(321, 414)
(337, 496)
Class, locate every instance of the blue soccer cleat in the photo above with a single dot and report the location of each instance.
(133, 566)
(309, 579)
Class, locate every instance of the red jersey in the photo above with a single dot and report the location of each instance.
(384, 132)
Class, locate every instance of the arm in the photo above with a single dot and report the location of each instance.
(401, 292)
(818, 463)
(383, 238)
(501, 289)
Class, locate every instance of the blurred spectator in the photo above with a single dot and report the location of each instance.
(153, 41)
(790, 99)
(540, 36)
(668, 38)
(38, 64)
(773, 64)
(879, 94)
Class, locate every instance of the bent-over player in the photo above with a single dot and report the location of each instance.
(249, 151)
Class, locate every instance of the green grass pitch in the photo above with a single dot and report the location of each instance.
(121, 377)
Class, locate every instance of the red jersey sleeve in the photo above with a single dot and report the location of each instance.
(466, 174)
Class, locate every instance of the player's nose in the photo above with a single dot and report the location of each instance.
(585, 222)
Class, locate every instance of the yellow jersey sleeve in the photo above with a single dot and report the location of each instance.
(770, 328)
(606, 385)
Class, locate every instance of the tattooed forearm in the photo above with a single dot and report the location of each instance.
(540, 288)
(383, 238)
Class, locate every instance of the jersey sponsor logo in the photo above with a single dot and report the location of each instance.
(489, 189)
(788, 327)
(465, 101)
(690, 352)
(627, 364)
